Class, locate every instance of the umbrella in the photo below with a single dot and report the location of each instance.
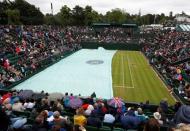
(66, 101)
(26, 94)
(115, 102)
(75, 103)
(4, 97)
(55, 96)
(36, 96)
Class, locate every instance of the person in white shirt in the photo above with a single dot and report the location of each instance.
(109, 118)
(29, 104)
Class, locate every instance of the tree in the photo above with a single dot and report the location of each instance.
(4, 5)
(64, 16)
(13, 16)
(29, 14)
(91, 16)
(78, 15)
(49, 19)
(115, 16)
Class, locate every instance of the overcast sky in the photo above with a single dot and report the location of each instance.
(131, 6)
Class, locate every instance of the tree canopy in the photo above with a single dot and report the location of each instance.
(22, 12)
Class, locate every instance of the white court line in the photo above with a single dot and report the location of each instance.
(162, 82)
(123, 71)
(124, 86)
(157, 75)
(130, 72)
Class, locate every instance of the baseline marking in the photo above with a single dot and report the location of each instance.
(124, 86)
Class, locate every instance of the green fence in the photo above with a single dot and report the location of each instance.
(112, 46)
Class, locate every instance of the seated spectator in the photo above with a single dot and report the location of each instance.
(29, 104)
(58, 121)
(152, 125)
(182, 127)
(92, 120)
(39, 124)
(99, 109)
(79, 128)
(183, 115)
(79, 118)
(158, 116)
(4, 121)
(88, 110)
(45, 104)
(109, 118)
(129, 120)
(18, 125)
(139, 113)
(176, 106)
(17, 106)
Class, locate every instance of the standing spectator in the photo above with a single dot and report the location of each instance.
(164, 105)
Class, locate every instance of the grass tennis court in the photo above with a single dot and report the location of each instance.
(134, 80)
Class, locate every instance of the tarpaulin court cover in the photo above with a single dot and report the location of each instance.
(84, 72)
(108, 73)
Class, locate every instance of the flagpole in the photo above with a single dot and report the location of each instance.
(155, 19)
(51, 8)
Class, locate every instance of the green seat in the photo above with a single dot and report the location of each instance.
(164, 128)
(22, 114)
(71, 119)
(69, 114)
(108, 124)
(91, 128)
(118, 129)
(9, 56)
(118, 124)
(1, 69)
(148, 113)
(105, 128)
(30, 121)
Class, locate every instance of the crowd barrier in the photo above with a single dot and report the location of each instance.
(43, 65)
(180, 61)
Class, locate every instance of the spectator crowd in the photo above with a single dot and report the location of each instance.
(164, 49)
(25, 48)
(28, 111)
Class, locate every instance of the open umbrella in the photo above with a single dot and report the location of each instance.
(54, 96)
(36, 96)
(26, 94)
(75, 103)
(116, 102)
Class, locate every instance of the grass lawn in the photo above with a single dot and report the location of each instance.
(134, 80)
